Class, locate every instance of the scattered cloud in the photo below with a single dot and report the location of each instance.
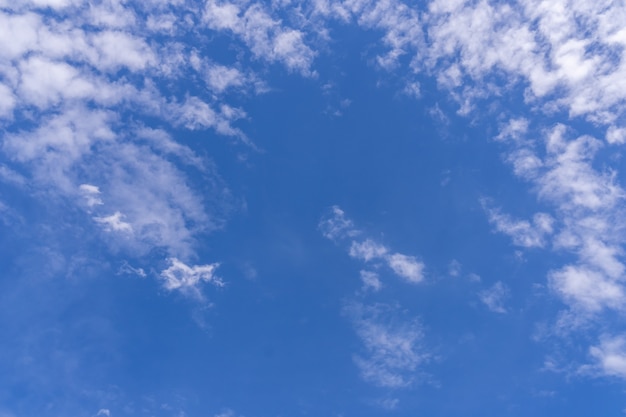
(587, 224)
(392, 344)
(91, 194)
(522, 232)
(189, 279)
(367, 250)
(371, 281)
(610, 356)
(126, 268)
(495, 297)
(265, 35)
(114, 223)
(588, 219)
(338, 227)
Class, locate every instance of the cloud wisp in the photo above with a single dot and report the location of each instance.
(336, 226)
(392, 344)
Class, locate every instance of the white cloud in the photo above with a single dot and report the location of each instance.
(367, 250)
(587, 289)
(522, 232)
(115, 223)
(399, 23)
(564, 48)
(407, 267)
(610, 356)
(117, 50)
(616, 135)
(495, 297)
(589, 218)
(371, 281)
(571, 179)
(91, 194)
(58, 143)
(392, 345)
(266, 37)
(336, 225)
(104, 412)
(220, 77)
(189, 279)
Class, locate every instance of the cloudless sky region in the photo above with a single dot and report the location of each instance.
(325, 208)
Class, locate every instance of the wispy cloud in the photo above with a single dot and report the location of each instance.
(189, 279)
(336, 226)
(522, 232)
(367, 250)
(114, 223)
(495, 297)
(392, 343)
(371, 281)
(264, 34)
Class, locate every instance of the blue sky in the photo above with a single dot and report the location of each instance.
(318, 208)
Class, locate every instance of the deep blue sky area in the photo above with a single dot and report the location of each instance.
(230, 208)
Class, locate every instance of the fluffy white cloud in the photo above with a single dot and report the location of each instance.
(610, 356)
(367, 250)
(189, 279)
(616, 135)
(587, 289)
(266, 37)
(564, 48)
(587, 223)
(407, 267)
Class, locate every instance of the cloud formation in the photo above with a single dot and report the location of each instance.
(495, 297)
(336, 226)
(188, 279)
(392, 344)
